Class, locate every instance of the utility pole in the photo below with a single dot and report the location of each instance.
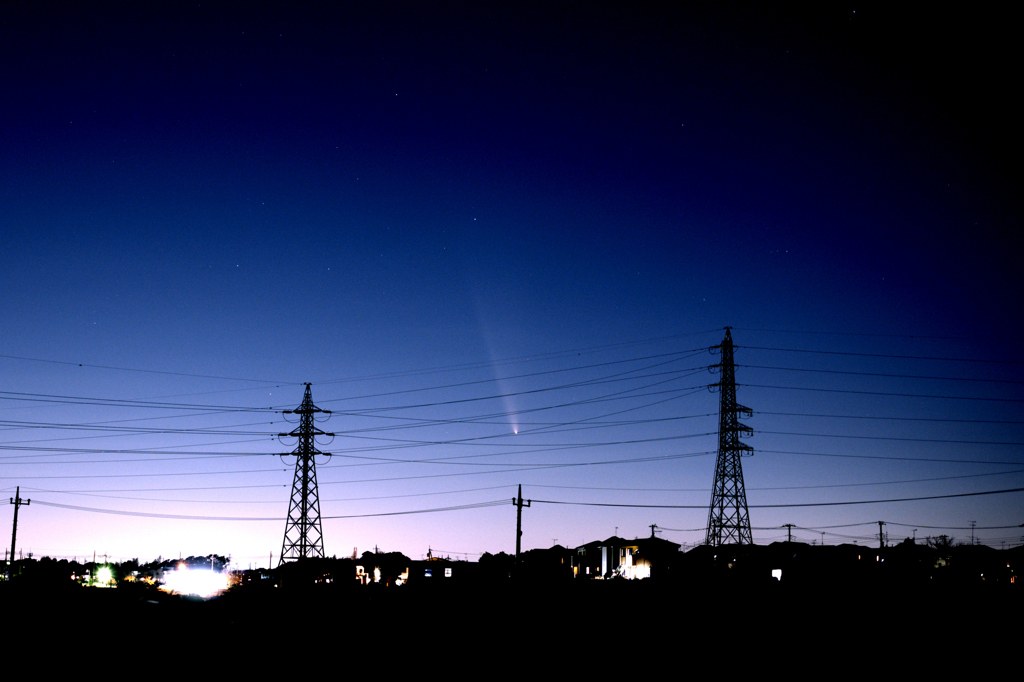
(653, 527)
(303, 536)
(17, 502)
(728, 518)
(881, 536)
(518, 502)
(789, 529)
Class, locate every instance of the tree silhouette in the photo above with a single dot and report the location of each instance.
(943, 543)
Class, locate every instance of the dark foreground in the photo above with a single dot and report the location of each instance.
(579, 624)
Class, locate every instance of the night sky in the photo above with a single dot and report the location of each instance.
(499, 242)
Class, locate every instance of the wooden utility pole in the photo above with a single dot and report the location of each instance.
(17, 502)
(518, 502)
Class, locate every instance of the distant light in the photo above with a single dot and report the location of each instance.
(200, 582)
(777, 574)
(104, 575)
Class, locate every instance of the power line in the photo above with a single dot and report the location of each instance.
(142, 371)
(892, 438)
(884, 393)
(614, 378)
(882, 375)
(145, 490)
(153, 515)
(787, 487)
(275, 501)
(891, 457)
(128, 430)
(123, 402)
(863, 334)
(884, 355)
(192, 517)
(151, 475)
(537, 357)
(788, 506)
(919, 525)
(905, 419)
(675, 357)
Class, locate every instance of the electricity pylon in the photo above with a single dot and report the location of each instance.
(728, 520)
(303, 537)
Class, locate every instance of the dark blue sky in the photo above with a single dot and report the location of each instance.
(266, 193)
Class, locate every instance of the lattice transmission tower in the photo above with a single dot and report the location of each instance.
(728, 519)
(303, 537)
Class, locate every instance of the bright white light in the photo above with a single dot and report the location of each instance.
(104, 576)
(200, 582)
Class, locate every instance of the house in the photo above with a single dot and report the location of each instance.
(646, 558)
(631, 559)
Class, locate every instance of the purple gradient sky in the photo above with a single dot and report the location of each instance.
(236, 199)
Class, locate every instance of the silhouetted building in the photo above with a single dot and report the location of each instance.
(617, 557)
